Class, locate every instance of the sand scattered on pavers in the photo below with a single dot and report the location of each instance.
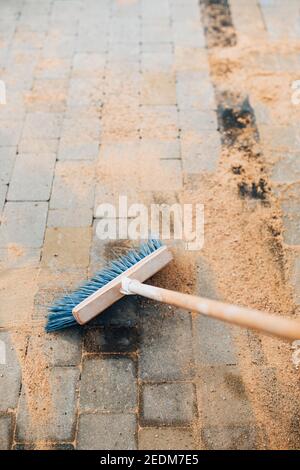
(244, 242)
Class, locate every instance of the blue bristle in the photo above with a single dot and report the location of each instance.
(61, 316)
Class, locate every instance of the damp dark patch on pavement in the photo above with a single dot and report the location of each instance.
(218, 25)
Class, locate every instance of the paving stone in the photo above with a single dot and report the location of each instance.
(108, 384)
(194, 90)
(120, 124)
(286, 169)
(188, 33)
(280, 138)
(23, 223)
(89, 65)
(82, 217)
(168, 404)
(92, 40)
(124, 31)
(111, 340)
(166, 345)
(14, 109)
(247, 18)
(38, 146)
(184, 10)
(166, 438)
(158, 31)
(157, 59)
(6, 430)
(159, 122)
(291, 215)
(10, 132)
(7, 160)
(59, 425)
(32, 177)
(230, 438)
(66, 247)
(14, 256)
(53, 68)
(58, 349)
(79, 139)
(222, 397)
(86, 92)
(160, 149)
(78, 177)
(158, 89)
(156, 9)
(42, 125)
(18, 288)
(47, 95)
(10, 373)
(194, 120)
(187, 59)
(106, 432)
(59, 45)
(195, 147)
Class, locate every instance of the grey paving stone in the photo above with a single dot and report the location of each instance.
(10, 132)
(59, 45)
(108, 385)
(168, 404)
(33, 145)
(7, 160)
(291, 214)
(106, 432)
(32, 177)
(195, 151)
(158, 31)
(60, 425)
(111, 340)
(166, 344)
(194, 90)
(161, 149)
(156, 9)
(89, 65)
(6, 431)
(280, 138)
(230, 437)
(212, 340)
(79, 179)
(78, 217)
(92, 40)
(79, 139)
(166, 438)
(10, 373)
(287, 169)
(222, 398)
(24, 224)
(195, 120)
(29, 257)
(59, 68)
(124, 31)
(59, 349)
(188, 33)
(86, 92)
(42, 125)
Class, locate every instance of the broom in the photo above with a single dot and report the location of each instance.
(126, 275)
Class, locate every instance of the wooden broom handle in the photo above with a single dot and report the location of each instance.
(246, 317)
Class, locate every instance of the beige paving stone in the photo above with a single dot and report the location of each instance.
(66, 247)
(47, 96)
(166, 438)
(17, 290)
(158, 89)
(190, 59)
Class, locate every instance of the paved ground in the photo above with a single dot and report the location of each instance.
(126, 96)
